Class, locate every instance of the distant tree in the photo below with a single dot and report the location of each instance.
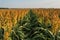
(4, 8)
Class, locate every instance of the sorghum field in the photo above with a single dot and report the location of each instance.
(30, 24)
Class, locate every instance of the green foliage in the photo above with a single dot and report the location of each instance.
(57, 36)
(29, 28)
(1, 33)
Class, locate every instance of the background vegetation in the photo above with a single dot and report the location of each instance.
(26, 24)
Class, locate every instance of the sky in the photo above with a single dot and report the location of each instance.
(29, 3)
